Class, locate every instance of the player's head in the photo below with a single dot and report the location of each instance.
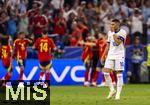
(21, 35)
(45, 33)
(115, 24)
(4, 40)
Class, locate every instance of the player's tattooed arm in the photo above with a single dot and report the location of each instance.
(117, 39)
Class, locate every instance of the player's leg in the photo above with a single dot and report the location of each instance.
(119, 67)
(103, 83)
(109, 65)
(96, 75)
(86, 76)
(95, 72)
(21, 64)
(48, 66)
(113, 77)
(8, 75)
(42, 70)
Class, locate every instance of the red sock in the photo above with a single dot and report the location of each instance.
(86, 76)
(115, 77)
(93, 75)
(96, 76)
(47, 75)
(103, 78)
(21, 74)
(112, 76)
(7, 76)
(41, 75)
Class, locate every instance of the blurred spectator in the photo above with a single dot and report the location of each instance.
(83, 30)
(40, 23)
(120, 9)
(137, 57)
(3, 22)
(23, 23)
(12, 26)
(136, 22)
(60, 25)
(148, 60)
(146, 10)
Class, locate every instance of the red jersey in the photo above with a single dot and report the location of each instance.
(44, 46)
(21, 48)
(101, 45)
(39, 19)
(31, 14)
(87, 53)
(6, 55)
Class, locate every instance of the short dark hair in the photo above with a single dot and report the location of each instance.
(116, 21)
(21, 32)
(45, 31)
(4, 39)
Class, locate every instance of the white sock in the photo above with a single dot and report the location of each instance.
(109, 81)
(119, 84)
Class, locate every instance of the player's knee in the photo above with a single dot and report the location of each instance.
(106, 70)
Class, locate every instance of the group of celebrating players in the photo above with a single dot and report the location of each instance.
(111, 51)
(44, 45)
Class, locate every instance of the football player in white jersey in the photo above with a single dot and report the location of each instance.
(115, 58)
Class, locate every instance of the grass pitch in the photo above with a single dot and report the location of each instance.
(78, 95)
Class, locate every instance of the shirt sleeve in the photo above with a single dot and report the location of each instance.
(122, 35)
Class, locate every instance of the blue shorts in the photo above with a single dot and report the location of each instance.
(45, 65)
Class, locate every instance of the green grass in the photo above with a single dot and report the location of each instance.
(78, 95)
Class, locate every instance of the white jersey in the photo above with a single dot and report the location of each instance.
(116, 51)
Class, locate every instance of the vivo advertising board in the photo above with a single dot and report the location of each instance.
(63, 72)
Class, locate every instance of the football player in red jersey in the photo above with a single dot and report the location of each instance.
(6, 57)
(44, 45)
(20, 48)
(86, 57)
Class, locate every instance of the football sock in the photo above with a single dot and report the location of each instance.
(86, 75)
(103, 78)
(96, 75)
(119, 83)
(109, 81)
(47, 75)
(41, 75)
(21, 74)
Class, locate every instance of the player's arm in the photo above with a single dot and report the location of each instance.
(87, 43)
(29, 40)
(118, 39)
(35, 45)
(105, 52)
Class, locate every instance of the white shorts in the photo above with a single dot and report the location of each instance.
(115, 64)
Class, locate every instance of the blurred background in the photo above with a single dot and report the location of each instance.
(60, 18)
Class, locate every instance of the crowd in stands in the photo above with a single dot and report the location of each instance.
(60, 17)
(71, 20)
